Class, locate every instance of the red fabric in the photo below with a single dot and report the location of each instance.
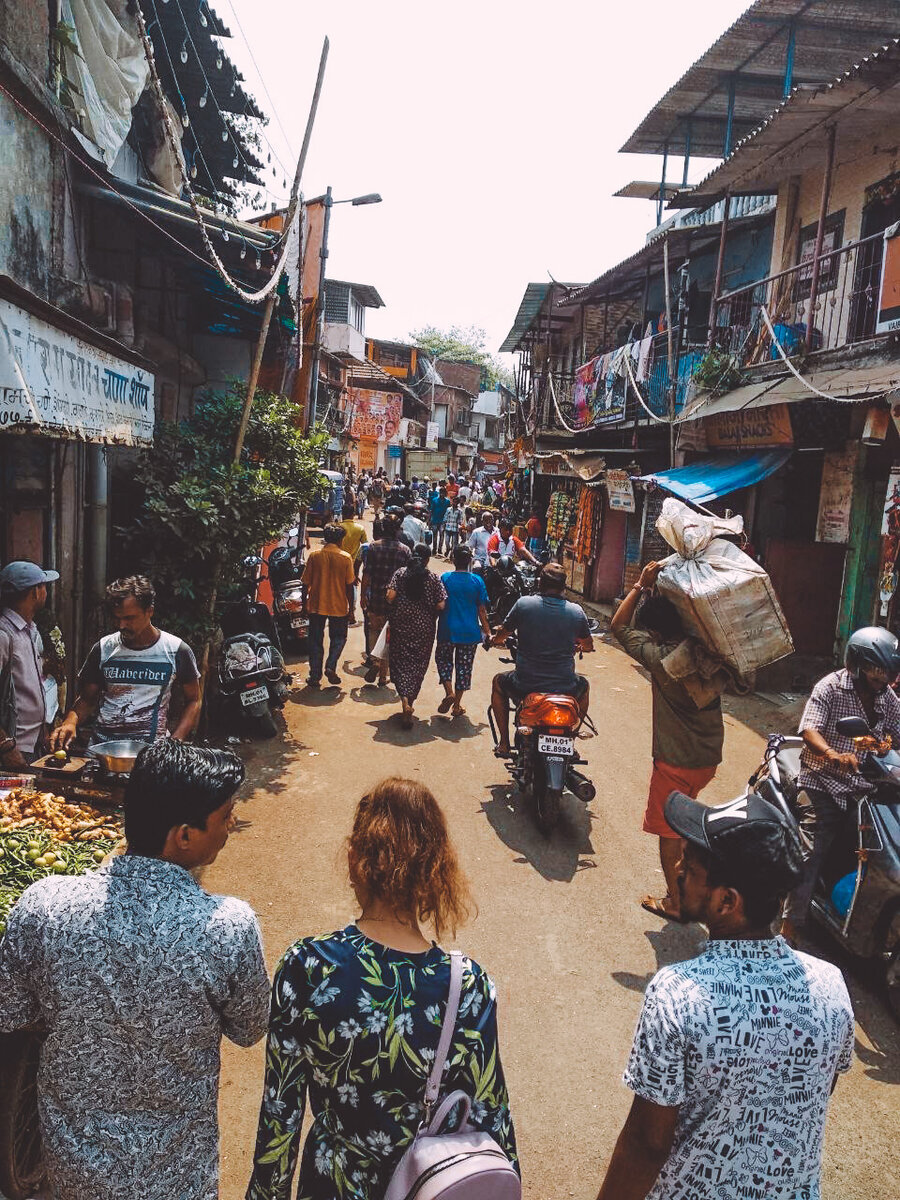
(664, 780)
(494, 543)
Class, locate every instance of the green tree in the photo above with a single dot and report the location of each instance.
(202, 514)
(466, 345)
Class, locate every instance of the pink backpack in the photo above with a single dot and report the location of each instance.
(465, 1165)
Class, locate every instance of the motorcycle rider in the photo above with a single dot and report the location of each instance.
(550, 629)
(829, 767)
(503, 542)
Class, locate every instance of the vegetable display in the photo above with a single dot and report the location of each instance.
(43, 834)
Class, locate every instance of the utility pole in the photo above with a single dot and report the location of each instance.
(312, 407)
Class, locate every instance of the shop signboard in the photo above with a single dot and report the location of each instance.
(889, 295)
(56, 383)
(367, 451)
(375, 414)
(620, 491)
(836, 495)
(750, 428)
(432, 430)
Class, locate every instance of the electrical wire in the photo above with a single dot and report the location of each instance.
(262, 80)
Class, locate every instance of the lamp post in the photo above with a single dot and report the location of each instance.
(328, 203)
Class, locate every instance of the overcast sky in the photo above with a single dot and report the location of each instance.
(491, 129)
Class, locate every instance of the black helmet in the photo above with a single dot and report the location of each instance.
(872, 647)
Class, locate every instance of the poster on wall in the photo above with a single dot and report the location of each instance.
(367, 448)
(375, 414)
(836, 495)
(431, 435)
(620, 491)
(51, 379)
(890, 546)
(889, 295)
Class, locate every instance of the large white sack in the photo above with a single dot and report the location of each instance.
(724, 598)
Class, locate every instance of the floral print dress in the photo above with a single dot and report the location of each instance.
(355, 1026)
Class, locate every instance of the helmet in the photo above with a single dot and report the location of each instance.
(872, 647)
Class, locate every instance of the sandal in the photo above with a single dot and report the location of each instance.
(458, 712)
(502, 752)
(657, 907)
(446, 704)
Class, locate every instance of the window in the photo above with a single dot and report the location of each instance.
(337, 304)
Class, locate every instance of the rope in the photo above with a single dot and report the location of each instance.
(559, 416)
(637, 392)
(221, 270)
(810, 387)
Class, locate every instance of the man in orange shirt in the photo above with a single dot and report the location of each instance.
(328, 576)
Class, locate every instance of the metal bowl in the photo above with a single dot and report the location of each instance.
(117, 757)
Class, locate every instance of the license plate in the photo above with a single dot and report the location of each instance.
(255, 695)
(299, 623)
(551, 743)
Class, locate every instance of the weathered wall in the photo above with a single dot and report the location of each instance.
(25, 29)
(26, 191)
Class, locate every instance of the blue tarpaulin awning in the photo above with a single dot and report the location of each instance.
(719, 474)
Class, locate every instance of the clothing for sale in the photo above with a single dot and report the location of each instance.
(746, 1041)
(587, 524)
(644, 348)
(560, 516)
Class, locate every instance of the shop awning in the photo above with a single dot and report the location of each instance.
(719, 474)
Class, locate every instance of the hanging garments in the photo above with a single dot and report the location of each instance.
(587, 525)
(560, 515)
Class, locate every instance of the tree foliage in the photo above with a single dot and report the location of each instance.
(202, 515)
(465, 345)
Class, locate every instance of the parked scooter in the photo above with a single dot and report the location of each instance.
(285, 565)
(857, 897)
(545, 758)
(250, 665)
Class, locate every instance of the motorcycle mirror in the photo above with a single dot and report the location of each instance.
(853, 727)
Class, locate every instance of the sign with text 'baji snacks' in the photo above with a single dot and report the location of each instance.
(751, 428)
(54, 382)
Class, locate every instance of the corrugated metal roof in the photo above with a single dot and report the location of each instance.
(531, 304)
(830, 35)
(863, 101)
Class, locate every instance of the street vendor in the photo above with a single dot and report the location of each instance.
(130, 675)
(23, 593)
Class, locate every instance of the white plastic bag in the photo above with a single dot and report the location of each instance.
(723, 597)
(380, 649)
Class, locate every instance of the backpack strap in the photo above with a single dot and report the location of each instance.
(433, 1086)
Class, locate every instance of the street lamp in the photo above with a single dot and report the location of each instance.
(328, 202)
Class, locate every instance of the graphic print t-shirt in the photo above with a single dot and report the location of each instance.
(136, 685)
(745, 1040)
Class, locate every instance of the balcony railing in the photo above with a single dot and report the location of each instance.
(844, 308)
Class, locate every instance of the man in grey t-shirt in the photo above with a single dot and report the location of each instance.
(550, 629)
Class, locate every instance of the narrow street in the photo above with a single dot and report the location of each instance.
(558, 927)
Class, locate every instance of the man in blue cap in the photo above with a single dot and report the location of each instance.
(23, 592)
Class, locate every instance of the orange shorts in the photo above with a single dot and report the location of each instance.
(664, 780)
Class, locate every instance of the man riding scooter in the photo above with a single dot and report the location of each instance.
(829, 771)
(550, 629)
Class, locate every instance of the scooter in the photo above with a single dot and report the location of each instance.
(545, 759)
(285, 565)
(250, 671)
(857, 897)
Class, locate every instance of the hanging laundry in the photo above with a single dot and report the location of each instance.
(645, 346)
(587, 525)
(560, 516)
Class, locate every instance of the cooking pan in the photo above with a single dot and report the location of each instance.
(117, 757)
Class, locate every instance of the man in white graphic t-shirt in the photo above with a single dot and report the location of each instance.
(129, 675)
(738, 1050)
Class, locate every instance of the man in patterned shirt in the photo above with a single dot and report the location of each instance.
(383, 558)
(135, 973)
(829, 766)
(737, 1051)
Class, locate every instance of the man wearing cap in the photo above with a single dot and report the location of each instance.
(550, 629)
(736, 1051)
(23, 592)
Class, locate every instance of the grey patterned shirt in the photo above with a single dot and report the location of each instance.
(135, 972)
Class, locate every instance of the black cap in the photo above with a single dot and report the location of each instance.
(750, 836)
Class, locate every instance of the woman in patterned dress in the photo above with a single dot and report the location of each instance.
(416, 597)
(356, 1015)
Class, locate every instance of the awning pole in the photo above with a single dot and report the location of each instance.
(671, 352)
(820, 234)
(720, 271)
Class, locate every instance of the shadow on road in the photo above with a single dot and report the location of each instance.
(435, 728)
(323, 697)
(558, 857)
(672, 943)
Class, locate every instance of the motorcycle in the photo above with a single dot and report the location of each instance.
(545, 758)
(250, 668)
(506, 581)
(285, 565)
(857, 896)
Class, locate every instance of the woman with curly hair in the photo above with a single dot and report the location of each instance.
(356, 1015)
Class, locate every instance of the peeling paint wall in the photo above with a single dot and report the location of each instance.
(26, 200)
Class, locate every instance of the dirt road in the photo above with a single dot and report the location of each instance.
(559, 926)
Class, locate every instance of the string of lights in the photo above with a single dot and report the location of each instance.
(249, 297)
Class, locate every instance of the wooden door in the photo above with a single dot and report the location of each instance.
(609, 565)
(807, 577)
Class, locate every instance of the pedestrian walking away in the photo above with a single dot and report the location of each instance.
(329, 577)
(738, 1050)
(687, 740)
(135, 973)
(128, 676)
(460, 628)
(356, 1015)
(830, 773)
(416, 597)
(23, 593)
(383, 558)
